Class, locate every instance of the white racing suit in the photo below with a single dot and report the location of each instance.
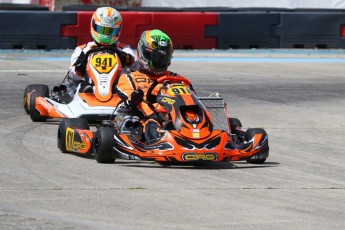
(75, 77)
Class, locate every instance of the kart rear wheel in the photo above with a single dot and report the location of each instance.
(44, 89)
(79, 123)
(235, 128)
(104, 143)
(234, 123)
(250, 133)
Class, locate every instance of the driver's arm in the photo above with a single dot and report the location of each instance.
(78, 55)
(125, 87)
(133, 65)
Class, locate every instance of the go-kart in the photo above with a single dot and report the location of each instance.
(103, 66)
(189, 133)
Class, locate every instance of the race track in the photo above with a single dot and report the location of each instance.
(298, 97)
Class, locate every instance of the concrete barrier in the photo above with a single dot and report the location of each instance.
(311, 30)
(34, 30)
(241, 28)
(245, 30)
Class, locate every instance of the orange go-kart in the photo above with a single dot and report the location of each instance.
(193, 130)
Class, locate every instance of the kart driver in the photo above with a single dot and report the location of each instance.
(106, 25)
(154, 53)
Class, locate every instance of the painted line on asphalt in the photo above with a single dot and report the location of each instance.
(261, 60)
(32, 71)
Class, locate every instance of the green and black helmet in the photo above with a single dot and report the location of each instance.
(154, 52)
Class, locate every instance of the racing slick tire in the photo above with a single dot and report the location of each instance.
(79, 123)
(250, 133)
(104, 143)
(235, 128)
(43, 89)
(35, 114)
(234, 123)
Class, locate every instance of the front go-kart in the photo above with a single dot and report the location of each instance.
(103, 66)
(189, 132)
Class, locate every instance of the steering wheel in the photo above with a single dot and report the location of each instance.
(150, 97)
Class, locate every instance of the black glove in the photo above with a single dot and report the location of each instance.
(80, 65)
(126, 59)
(136, 98)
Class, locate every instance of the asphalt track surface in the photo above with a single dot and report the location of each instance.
(298, 97)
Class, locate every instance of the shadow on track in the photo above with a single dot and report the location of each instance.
(196, 165)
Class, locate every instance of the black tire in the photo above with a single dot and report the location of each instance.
(104, 143)
(35, 114)
(79, 123)
(44, 89)
(250, 133)
(234, 123)
(40, 91)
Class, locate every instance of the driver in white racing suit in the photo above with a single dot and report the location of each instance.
(106, 25)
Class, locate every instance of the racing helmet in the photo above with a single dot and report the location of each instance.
(106, 25)
(154, 52)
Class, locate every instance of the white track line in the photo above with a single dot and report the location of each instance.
(32, 71)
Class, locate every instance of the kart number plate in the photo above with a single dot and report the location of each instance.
(103, 62)
(179, 90)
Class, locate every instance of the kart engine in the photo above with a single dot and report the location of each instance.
(128, 124)
(64, 92)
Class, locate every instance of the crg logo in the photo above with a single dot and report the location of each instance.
(199, 156)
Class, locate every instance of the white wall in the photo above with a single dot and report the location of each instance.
(291, 4)
(20, 1)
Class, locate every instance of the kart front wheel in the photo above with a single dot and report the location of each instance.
(261, 157)
(75, 123)
(41, 88)
(104, 143)
(34, 113)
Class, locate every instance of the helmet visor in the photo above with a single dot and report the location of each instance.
(108, 31)
(160, 59)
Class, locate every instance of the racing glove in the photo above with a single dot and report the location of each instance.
(80, 65)
(136, 98)
(126, 59)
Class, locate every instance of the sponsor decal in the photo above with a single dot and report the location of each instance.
(108, 19)
(72, 145)
(42, 101)
(140, 79)
(196, 135)
(199, 156)
(168, 100)
(162, 43)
